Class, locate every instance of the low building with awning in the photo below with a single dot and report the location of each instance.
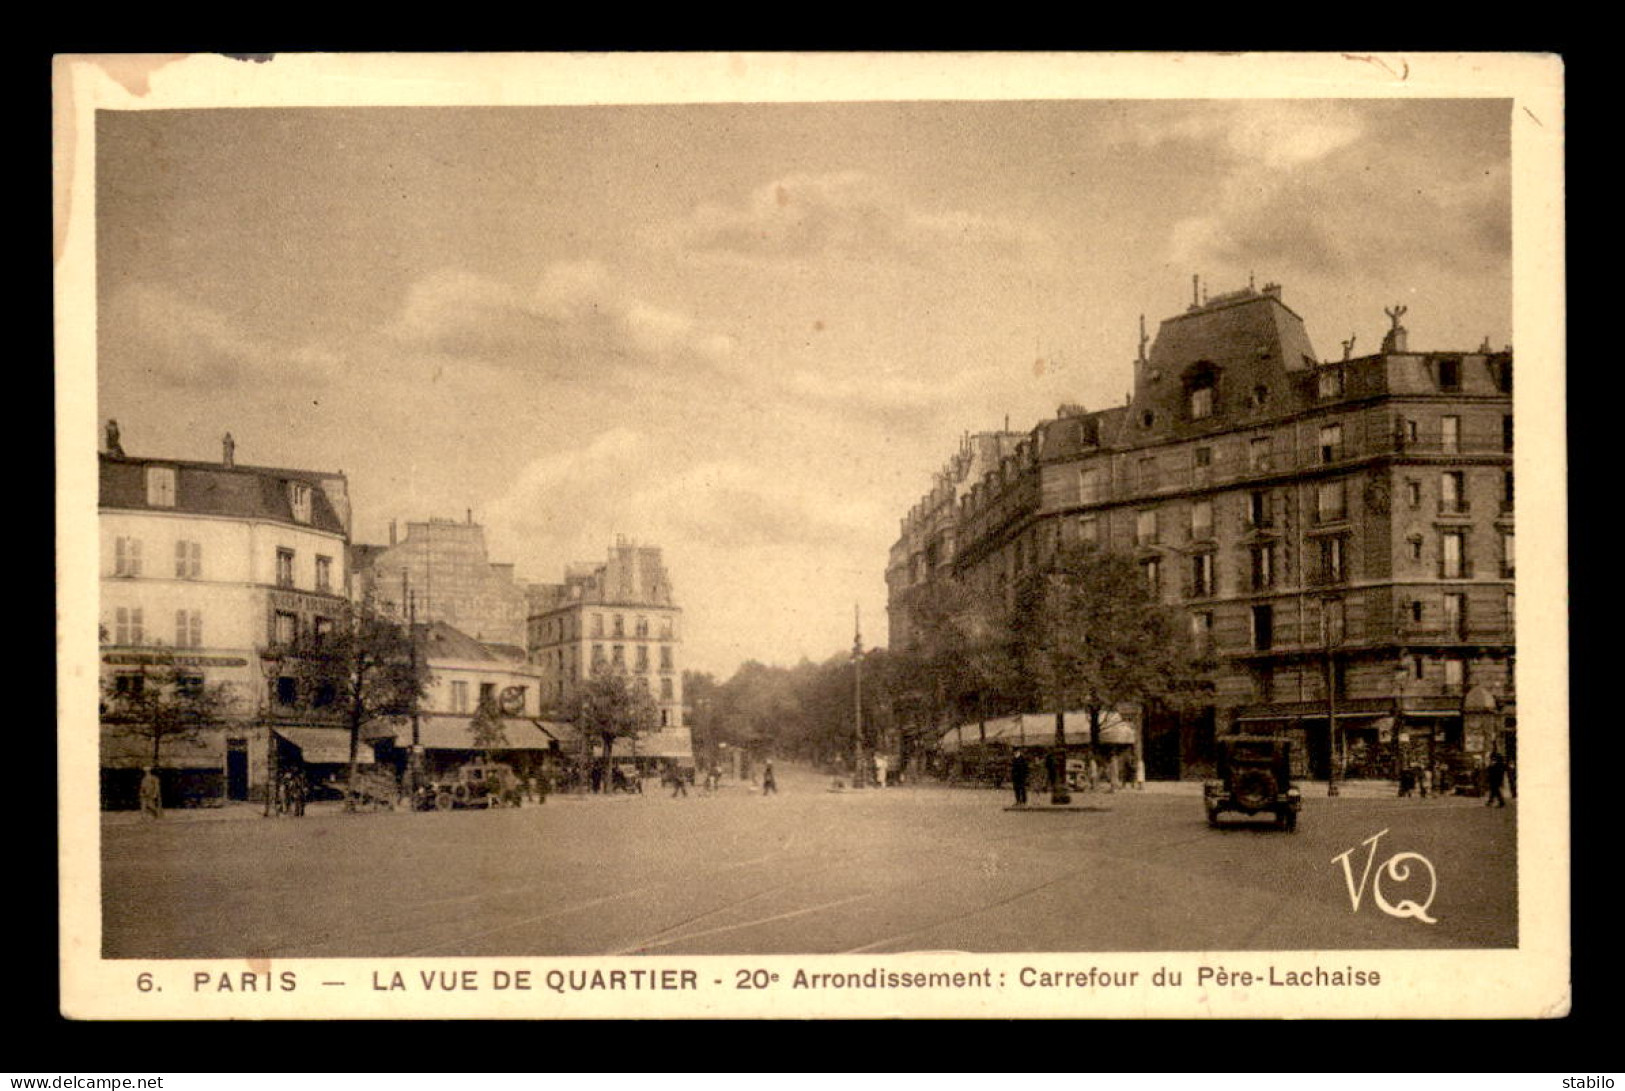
(1038, 729)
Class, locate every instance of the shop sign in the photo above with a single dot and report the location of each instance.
(127, 659)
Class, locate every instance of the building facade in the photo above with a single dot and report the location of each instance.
(621, 614)
(212, 570)
(446, 569)
(1339, 534)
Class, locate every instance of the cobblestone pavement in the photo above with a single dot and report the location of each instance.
(809, 870)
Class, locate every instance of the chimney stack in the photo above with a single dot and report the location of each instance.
(229, 447)
(392, 534)
(113, 446)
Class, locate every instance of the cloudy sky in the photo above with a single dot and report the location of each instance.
(748, 334)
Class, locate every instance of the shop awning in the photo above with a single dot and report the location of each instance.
(1038, 729)
(326, 745)
(437, 732)
(669, 742)
(121, 749)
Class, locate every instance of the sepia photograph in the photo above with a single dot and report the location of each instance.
(780, 535)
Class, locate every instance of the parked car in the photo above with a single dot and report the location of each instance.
(1255, 777)
(477, 784)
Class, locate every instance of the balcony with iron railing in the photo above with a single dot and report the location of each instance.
(1491, 631)
(1240, 465)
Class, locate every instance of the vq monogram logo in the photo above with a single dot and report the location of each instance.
(1396, 868)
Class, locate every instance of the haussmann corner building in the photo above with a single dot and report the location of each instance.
(212, 570)
(1338, 534)
(621, 613)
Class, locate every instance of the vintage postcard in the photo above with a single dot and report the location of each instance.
(811, 535)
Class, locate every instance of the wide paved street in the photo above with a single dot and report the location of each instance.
(807, 871)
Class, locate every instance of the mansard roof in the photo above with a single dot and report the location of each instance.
(211, 488)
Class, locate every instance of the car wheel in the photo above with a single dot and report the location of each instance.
(444, 802)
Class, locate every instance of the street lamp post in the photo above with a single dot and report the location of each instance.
(857, 700)
(1334, 774)
(271, 668)
(1399, 713)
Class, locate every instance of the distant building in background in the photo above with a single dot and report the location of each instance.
(445, 567)
(622, 613)
(216, 568)
(1338, 533)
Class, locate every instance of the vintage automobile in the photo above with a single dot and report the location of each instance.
(1255, 777)
(477, 784)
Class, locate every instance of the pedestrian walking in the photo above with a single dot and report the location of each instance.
(1019, 769)
(1425, 777)
(1495, 775)
(770, 786)
(679, 785)
(152, 797)
(881, 768)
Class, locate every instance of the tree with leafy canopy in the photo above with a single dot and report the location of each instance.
(162, 701)
(609, 705)
(486, 729)
(1094, 635)
(960, 661)
(363, 668)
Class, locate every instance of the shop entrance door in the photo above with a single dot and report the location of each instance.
(237, 769)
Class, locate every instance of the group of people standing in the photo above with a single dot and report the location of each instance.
(290, 792)
(1430, 779)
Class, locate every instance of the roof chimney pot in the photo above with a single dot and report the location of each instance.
(229, 451)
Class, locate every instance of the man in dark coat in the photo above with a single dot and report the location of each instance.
(1496, 775)
(1019, 768)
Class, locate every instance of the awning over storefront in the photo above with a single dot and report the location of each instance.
(452, 733)
(326, 745)
(1038, 729)
(121, 749)
(669, 742)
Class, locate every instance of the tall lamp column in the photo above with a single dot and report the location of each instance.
(271, 668)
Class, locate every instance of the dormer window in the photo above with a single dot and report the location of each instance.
(1330, 383)
(1201, 402)
(1201, 382)
(161, 486)
(1450, 374)
(299, 500)
(1260, 396)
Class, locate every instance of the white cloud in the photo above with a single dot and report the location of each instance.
(1274, 135)
(577, 318)
(846, 214)
(181, 343)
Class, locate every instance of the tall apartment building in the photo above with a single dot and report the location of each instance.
(446, 568)
(214, 568)
(621, 613)
(926, 548)
(1339, 534)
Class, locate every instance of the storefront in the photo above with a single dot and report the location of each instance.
(191, 770)
(444, 741)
